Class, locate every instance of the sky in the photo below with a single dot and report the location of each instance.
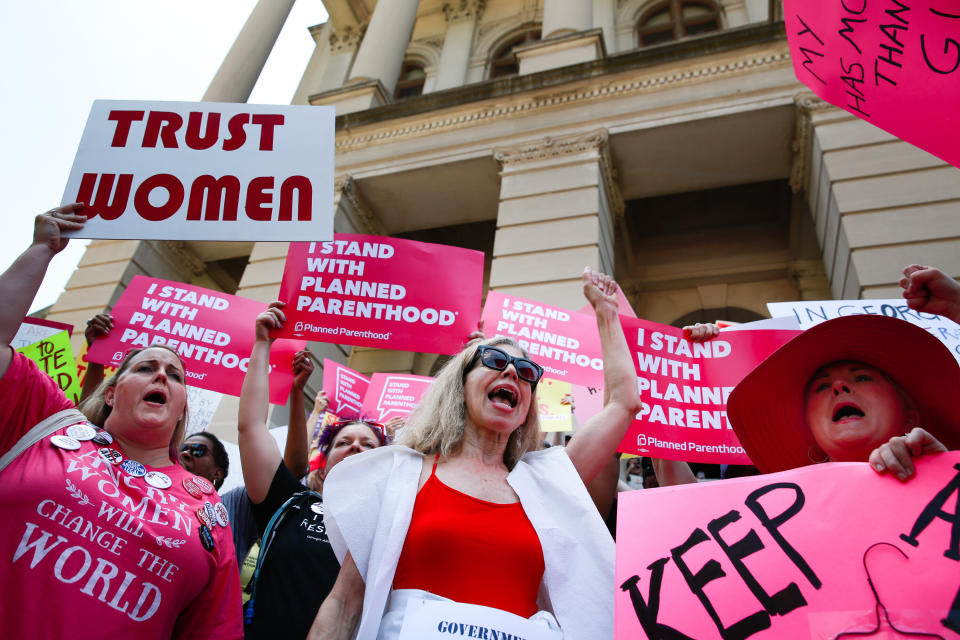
(61, 55)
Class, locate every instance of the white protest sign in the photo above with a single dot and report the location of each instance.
(201, 405)
(205, 171)
(809, 313)
(444, 620)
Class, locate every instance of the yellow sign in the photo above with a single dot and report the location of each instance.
(554, 416)
(54, 356)
(82, 365)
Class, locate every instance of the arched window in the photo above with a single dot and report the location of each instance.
(675, 19)
(504, 61)
(412, 78)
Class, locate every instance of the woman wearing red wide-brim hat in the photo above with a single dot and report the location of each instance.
(856, 388)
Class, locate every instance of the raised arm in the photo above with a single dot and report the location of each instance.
(339, 614)
(99, 326)
(594, 443)
(296, 453)
(930, 290)
(19, 283)
(259, 453)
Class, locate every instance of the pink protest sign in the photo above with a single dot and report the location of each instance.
(787, 555)
(684, 388)
(345, 389)
(389, 293)
(212, 332)
(393, 395)
(565, 343)
(894, 64)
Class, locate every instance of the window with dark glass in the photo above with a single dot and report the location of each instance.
(412, 78)
(675, 19)
(504, 60)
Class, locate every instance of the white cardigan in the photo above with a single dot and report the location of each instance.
(368, 499)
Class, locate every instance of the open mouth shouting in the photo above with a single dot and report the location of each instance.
(504, 396)
(157, 397)
(847, 411)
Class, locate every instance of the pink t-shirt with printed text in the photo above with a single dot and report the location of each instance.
(88, 551)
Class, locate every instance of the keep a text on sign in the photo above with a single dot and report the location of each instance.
(782, 555)
(204, 171)
(382, 292)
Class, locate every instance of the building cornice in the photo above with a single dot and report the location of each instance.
(602, 87)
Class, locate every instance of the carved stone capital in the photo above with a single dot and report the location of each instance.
(806, 105)
(346, 39)
(184, 255)
(346, 197)
(459, 10)
(551, 147)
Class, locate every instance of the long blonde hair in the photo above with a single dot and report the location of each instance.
(438, 423)
(96, 409)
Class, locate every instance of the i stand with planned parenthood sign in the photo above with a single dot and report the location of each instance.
(204, 171)
(375, 291)
(809, 313)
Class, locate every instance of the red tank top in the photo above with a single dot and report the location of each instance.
(471, 550)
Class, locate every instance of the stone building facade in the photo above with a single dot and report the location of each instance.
(665, 141)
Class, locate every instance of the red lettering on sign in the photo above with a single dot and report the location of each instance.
(101, 204)
(141, 199)
(225, 191)
(237, 135)
(267, 122)
(194, 139)
(123, 119)
(257, 198)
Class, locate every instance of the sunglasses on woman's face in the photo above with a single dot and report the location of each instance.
(498, 360)
(195, 449)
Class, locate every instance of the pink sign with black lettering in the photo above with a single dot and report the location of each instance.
(565, 343)
(345, 389)
(389, 293)
(816, 552)
(393, 395)
(212, 332)
(684, 387)
(896, 64)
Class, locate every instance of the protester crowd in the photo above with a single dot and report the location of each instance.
(469, 506)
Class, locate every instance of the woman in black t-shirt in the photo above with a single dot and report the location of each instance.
(298, 567)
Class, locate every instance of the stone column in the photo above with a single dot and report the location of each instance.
(462, 17)
(878, 203)
(561, 17)
(244, 62)
(312, 77)
(342, 45)
(558, 206)
(381, 55)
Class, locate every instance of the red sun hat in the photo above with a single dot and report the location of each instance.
(768, 408)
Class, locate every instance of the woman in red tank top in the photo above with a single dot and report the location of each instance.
(473, 537)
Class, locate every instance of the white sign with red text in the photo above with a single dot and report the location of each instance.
(205, 171)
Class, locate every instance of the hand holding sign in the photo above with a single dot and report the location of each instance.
(49, 228)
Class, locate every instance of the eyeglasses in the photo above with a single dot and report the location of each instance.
(493, 358)
(195, 449)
